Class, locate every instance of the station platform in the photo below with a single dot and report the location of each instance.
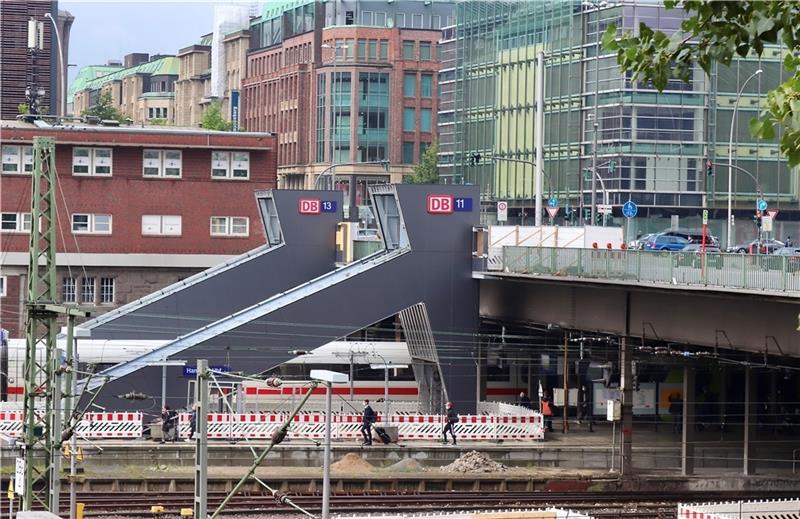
(579, 460)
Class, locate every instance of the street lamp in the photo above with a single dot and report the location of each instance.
(63, 107)
(328, 378)
(730, 155)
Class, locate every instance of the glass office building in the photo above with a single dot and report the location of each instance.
(652, 147)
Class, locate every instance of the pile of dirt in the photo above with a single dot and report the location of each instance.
(406, 465)
(474, 461)
(352, 462)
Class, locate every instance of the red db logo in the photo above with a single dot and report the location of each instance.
(440, 204)
(309, 206)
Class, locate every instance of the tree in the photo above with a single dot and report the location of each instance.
(213, 120)
(105, 109)
(718, 31)
(427, 171)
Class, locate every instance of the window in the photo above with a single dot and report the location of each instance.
(423, 147)
(425, 120)
(416, 21)
(408, 49)
(91, 224)
(17, 159)
(161, 225)
(400, 20)
(91, 161)
(436, 21)
(410, 85)
(408, 153)
(426, 86)
(106, 291)
(161, 163)
(380, 19)
(149, 113)
(230, 226)
(15, 222)
(3, 284)
(366, 18)
(425, 50)
(230, 164)
(384, 50)
(68, 290)
(87, 290)
(408, 119)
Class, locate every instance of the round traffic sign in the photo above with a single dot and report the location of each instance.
(761, 205)
(629, 209)
(553, 202)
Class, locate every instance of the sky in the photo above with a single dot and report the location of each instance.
(110, 29)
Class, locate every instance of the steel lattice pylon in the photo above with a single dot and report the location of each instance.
(42, 421)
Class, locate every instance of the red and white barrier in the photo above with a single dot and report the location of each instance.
(225, 426)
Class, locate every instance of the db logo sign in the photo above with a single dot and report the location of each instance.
(309, 206)
(440, 204)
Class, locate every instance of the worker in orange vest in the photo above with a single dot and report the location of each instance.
(547, 412)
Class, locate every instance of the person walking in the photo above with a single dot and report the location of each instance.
(586, 408)
(166, 423)
(676, 410)
(524, 401)
(789, 241)
(368, 418)
(450, 421)
(547, 412)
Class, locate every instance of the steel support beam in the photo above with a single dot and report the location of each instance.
(626, 381)
(689, 420)
(748, 468)
(201, 441)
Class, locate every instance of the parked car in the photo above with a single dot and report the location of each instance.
(691, 256)
(664, 242)
(751, 247)
(793, 260)
(694, 236)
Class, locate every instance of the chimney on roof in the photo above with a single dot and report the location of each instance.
(114, 63)
(136, 58)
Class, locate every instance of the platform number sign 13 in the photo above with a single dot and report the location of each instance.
(315, 206)
(446, 204)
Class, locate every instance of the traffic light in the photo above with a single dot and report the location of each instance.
(757, 219)
(709, 168)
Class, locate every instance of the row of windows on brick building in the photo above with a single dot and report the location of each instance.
(152, 224)
(87, 289)
(155, 163)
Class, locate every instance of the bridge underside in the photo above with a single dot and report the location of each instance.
(742, 321)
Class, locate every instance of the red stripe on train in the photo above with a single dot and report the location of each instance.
(373, 390)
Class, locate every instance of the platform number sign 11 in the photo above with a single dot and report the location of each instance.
(446, 204)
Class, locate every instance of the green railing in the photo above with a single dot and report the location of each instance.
(744, 271)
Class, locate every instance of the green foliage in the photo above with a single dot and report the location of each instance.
(427, 171)
(105, 109)
(23, 109)
(160, 121)
(719, 32)
(213, 120)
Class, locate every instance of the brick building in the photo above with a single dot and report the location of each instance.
(18, 65)
(345, 82)
(138, 208)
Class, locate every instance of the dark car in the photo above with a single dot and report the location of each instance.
(691, 256)
(664, 242)
(694, 236)
(752, 247)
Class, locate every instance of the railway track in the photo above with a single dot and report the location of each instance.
(598, 504)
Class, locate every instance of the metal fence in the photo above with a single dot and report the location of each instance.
(743, 271)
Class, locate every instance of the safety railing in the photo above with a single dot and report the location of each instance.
(744, 271)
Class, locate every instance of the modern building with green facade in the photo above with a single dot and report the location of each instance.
(652, 148)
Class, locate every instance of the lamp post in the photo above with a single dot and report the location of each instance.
(63, 67)
(730, 156)
(328, 378)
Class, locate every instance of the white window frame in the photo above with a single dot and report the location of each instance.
(228, 223)
(102, 300)
(22, 159)
(94, 289)
(161, 225)
(230, 165)
(92, 161)
(162, 163)
(74, 299)
(92, 222)
(22, 223)
(3, 286)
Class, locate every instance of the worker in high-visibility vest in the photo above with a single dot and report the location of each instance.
(547, 412)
